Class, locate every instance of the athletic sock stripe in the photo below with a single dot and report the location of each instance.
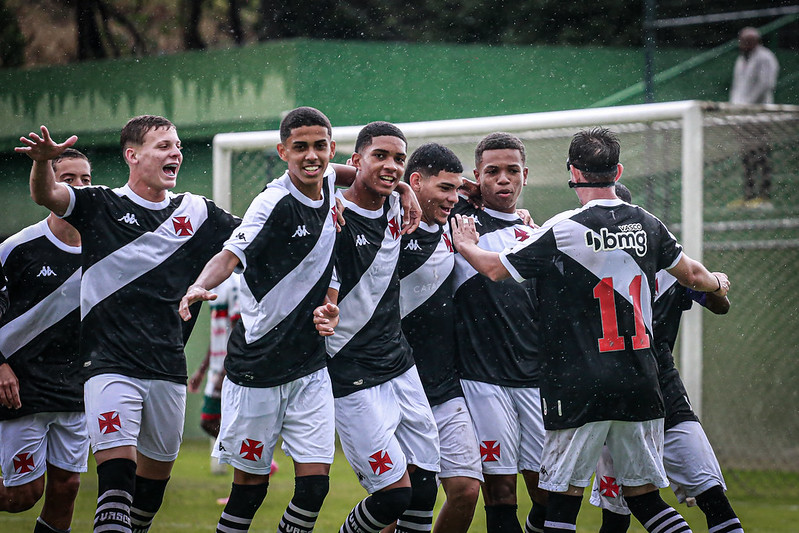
(655, 519)
(111, 527)
(112, 505)
(143, 514)
(365, 518)
(115, 493)
(410, 526)
(529, 528)
(670, 524)
(236, 519)
(305, 524)
(302, 512)
(734, 522)
(221, 528)
(422, 514)
(565, 526)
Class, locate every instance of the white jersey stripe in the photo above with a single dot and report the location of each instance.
(359, 304)
(48, 312)
(418, 286)
(140, 256)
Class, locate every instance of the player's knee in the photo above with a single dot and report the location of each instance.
(424, 489)
(22, 497)
(65, 487)
(499, 489)
(462, 493)
(392, 502)
(310, 491)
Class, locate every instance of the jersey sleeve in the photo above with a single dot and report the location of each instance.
(243, 241)
(3, 293)
(669, 251)
(528, 259)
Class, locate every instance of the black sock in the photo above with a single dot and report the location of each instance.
(44, 527)
(562, 511)
(303, 509)
(116, 483)
(502, 519)
(146, 501)
(655, 514)
(244, 501)
(419, 514)
(718, 511)
(377, 511)
(614, 522)
(536, 518)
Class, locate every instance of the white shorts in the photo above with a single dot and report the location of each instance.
(29, 443)
(570, 455)
(385, 428)
(301, 411)
(460, 454)
(691, 466)
(509, 426)
(145, 413)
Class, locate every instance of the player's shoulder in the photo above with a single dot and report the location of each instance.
(20, 238)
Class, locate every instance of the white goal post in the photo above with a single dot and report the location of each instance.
(686, 119)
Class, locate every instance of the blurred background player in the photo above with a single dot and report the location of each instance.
(135, 394)
(753, 80)
(691, 465)
(498, 343)
(225, 313)
(428, 321)
(595, 268)
(383, 419)
(42, 419)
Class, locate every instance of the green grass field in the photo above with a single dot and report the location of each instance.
(190, 502)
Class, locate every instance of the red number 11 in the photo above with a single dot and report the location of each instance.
(611, 341)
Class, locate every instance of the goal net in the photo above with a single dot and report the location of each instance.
(686, 162)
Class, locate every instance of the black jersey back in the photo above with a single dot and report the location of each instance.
(368, 348)
(427, 310)
(497, 321)
(285, 244)
(595, 270)
(671, 299)
(39, 332)
(138, 259)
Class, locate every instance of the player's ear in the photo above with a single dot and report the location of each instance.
(281, 151)
(619, 171)
(477, 176)
(355, 160)
(332, 149)
(131, 157)
(415, 179)
(524, 176)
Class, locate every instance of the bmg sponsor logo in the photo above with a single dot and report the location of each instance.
(628, 237)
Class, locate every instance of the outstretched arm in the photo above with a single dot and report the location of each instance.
(465, 239)
(694, 275)
(44, 189)
(217, 270)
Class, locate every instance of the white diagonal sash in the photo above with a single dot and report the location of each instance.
(418, 286)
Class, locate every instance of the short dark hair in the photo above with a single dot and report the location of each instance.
(377, 129)
(137, 127)
(498, 140)
(595, 152)
(623, 193)
(303, 116)
(70, 153)
(430, 159)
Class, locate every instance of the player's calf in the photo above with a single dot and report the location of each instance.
(654, 514)
(377, 511)
(21, 497)
(419, 514)
(303, 509)
(719, 513)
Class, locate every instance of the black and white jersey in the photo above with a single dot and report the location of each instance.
(285, 244)
(39, 332)
(427, 309)
(595, 269)
(671, 299)
(368, 347)
(3, 293)
(138, 259)
(496, 321)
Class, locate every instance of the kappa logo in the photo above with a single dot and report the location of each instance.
(240, 236)
(129, 218)
(302, 231)
(361, 240)
(631, 237)
(46, 271)
(413, 245)
(182, 226)
(23, 463)
(476, 220)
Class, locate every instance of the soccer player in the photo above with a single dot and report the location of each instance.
(595, 270)
(277, 382)
(3, 293)
(383, 418)
(428, 322)
(42, 420)
(498, 342)
(225, 313)
(690, 463)
(142, 246)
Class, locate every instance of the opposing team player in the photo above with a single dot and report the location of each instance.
(690, 463)
(42, 420)
(498, 342)
(428, 321)
(277, 382)
(383, 418)
(595, 269)
(142, 246)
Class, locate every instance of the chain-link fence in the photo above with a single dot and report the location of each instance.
(750, 380)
